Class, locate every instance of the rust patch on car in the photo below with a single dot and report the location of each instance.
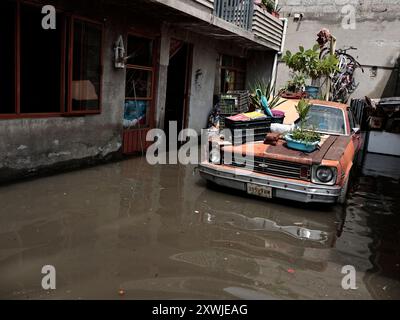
(338, 148)
(281, 152)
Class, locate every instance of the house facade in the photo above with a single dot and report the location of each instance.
(90, 87)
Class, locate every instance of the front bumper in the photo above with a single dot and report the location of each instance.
(281, 188)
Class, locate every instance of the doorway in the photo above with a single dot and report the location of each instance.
(178, 85)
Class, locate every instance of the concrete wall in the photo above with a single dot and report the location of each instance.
(205, 71)
(259, 66)
(27, 145)
(30, 145)
(376, 35)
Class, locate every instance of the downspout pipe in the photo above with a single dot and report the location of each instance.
(274, 75)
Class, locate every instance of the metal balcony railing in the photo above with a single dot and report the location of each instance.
(238, 12)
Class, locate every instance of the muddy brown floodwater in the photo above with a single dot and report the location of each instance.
(160, 233)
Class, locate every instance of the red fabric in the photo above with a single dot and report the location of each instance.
(239, 117)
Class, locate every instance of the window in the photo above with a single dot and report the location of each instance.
(40, 64)
(139, 82)
(7, 57)
(48, 72)
(326, 120)
(233, 73)
(86, 73)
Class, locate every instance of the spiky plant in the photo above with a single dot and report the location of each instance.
(267, 90)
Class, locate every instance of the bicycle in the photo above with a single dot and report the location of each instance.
(343, 82)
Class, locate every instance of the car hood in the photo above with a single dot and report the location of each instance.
(332, 149)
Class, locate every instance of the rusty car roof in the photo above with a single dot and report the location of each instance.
(291, 115)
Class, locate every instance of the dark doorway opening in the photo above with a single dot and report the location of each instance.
(178, 84)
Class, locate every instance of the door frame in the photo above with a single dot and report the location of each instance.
(188, 85)
(132, 139)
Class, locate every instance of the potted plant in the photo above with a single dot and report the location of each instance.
(309, 63)
(276, 12)
(263, 89)
(269, 5)
(294, 88)
(302, 138)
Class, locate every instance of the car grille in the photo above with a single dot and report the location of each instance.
(278, 168)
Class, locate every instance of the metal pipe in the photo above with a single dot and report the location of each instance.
(274, 74)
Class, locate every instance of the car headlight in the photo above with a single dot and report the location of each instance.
(324, 175)
(215, 156)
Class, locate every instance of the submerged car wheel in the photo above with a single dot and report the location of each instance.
(343, 193)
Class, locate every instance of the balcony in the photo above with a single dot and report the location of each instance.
(238, 12)
(251, 17)
(242, 20)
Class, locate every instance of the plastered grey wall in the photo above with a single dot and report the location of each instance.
(259, 66)
(205, 74)
(376, 35)
(29, 144)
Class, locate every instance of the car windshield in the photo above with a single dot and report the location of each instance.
(326, 120)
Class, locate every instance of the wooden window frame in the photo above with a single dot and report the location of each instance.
(233, 69)
(65, 98)
(153, 69)
(70, 112)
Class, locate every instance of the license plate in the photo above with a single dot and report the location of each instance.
(261, 191)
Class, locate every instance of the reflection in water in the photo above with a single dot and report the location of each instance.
(158, 232)
(261, 224)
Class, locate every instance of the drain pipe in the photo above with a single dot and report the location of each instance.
(274, 75)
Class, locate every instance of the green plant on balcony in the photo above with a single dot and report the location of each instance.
(269, 5)
(277, 10)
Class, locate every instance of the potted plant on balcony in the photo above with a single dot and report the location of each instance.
(270, 6)
(309, 63)
(276, 12)
(302, 138)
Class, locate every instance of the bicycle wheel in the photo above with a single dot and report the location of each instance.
(343, 95)
(351, 58)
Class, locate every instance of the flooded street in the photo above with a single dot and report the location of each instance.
(160, 233)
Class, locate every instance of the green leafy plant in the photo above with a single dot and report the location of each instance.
(303, 108)
(267, 90)
(328, 66)
(308, 62)
(305, 136)
(296, 83)
(269, 5)
(301, 133)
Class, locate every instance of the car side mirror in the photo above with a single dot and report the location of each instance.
(356, 130)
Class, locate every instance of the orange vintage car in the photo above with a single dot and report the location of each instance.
(275, 171)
